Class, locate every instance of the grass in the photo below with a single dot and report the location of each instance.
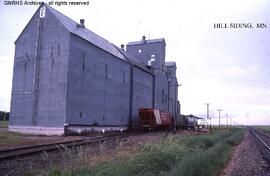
(264, 128)
(11, 138)
(3, 124)
(178, 155)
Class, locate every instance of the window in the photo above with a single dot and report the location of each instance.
(25, 66)
(139, 51)
(163, 95)
(83, 64)
(124, 77)
(153, 57)
(106, 71)
(26, 60)
(52, 63)
(58, 49)
(51, 51)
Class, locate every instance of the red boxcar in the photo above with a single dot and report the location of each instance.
(153, 119)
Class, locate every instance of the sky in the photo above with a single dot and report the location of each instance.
(228, 68)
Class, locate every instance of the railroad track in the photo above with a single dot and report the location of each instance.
(263, 141)
(35, 149)
(262, 137)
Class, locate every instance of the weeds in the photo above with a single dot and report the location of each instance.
(3, 124)
(102, 146)
(194, 155)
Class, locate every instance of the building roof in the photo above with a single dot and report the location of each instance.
(147, 41)
(85, 33)
(93, 38)
(170, 64)
(134, 60)
(191, 116)
(76, 29)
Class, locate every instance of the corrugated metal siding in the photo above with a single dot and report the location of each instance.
(99, 94)
(49, 104)
(82, 78)
(142, 93)
(86, 34)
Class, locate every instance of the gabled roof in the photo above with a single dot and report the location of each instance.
(86, 34)
(147, 41)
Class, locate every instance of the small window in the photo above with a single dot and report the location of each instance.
(163, 95)
(83, 64)
(52, 63)
(58, 49)
(25, 66)
(139, 51)
(124, 77)
(106, 71)
(51, 51)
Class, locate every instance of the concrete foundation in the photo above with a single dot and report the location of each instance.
(80, 130)
(37, 130)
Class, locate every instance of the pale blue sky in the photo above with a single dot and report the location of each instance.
(227, 67)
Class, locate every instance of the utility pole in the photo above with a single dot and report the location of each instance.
(207, 111)
(227, 120)
(219, 110)
(4, 116)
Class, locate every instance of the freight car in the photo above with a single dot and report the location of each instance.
(152, 119)
(188, 121)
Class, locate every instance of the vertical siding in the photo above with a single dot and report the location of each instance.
(99, 93)
(52, 72)
(142, 93)
(161, 91)
(158, 49)
(49, 104)
(81, 84)
(22, 87)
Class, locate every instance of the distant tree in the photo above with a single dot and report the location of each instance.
(4, 116)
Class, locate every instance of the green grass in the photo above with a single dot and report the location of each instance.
(3, 124)
(186, 156)
(8, 139)
(264, 128)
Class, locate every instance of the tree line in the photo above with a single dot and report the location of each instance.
(4, 116)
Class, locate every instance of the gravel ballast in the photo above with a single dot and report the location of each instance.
(247, 160)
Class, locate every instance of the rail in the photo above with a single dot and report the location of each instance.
(35, 149)
(262, 137)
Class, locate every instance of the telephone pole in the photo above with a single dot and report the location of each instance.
(219, 110)
(227, 120)
(207, 111)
